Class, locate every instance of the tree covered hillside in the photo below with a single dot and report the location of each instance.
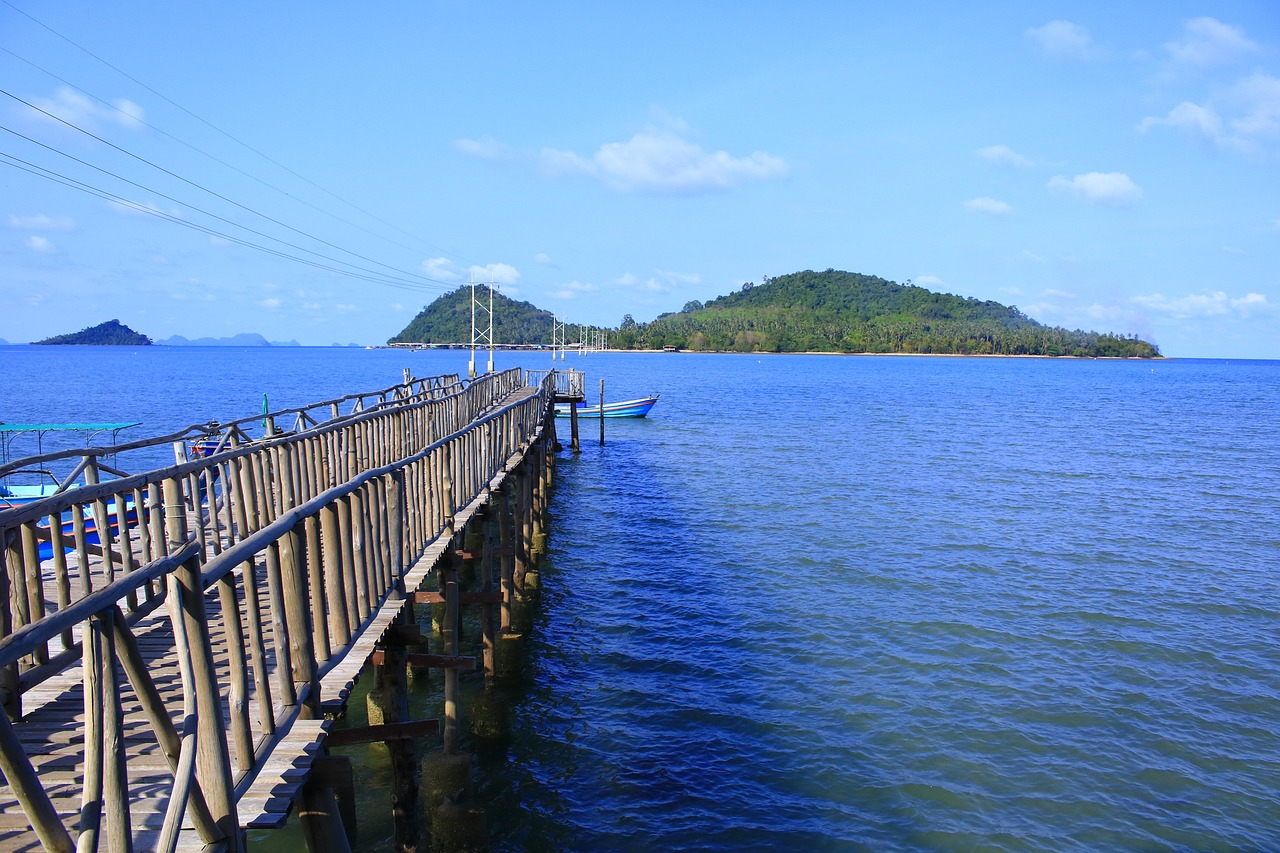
(447, 320)
(835, 311)
(110, 333)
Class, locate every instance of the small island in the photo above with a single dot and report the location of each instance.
(112, 333)
(826, 312)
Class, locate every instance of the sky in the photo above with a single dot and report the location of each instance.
(319, 172)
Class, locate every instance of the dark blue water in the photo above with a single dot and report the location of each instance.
(863, 603)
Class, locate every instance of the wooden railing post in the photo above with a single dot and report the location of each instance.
(293, 564)
(213, 763)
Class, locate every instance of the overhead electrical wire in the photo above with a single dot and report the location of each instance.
(380, 276)
(65, 180)
(219, 160)
(413, 280)
(214, 127)
(193, 184)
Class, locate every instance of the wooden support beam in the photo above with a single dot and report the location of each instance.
(433, 661)
(383, 733)
(468, 597)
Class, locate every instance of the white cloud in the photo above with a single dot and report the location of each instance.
(441, 269)
(144, 208)
(1002, 155)
(928, 281)
(989, 206)
(271, 303)
(484, 148)
(663, 161)
(40, 244)
(1255, 104)
(40, 222)
(1208, 41)
(1113, 188)
(503, 274)
(664, 281)
(1189, 117)
(75, 108)
(1064, 40)
(1259, 97)
(544, 259)
(572, 289)
(1215, 304)
(346, 308)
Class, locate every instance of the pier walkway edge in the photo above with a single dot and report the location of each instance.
(172, 642)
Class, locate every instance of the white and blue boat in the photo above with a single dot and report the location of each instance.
(625, 409)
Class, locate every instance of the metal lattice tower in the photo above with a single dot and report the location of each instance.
(481, 333)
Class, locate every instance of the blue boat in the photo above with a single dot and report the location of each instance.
(626, 409)
(14, 496)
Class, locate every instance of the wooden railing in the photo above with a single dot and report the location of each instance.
(569, 383)
(269, 555)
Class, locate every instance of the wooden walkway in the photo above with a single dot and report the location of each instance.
(167, 688)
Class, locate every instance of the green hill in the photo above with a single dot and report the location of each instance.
(110, 333)
(447, 320)
(829, 311)
(836, 311)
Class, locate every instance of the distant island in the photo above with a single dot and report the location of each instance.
(112, 333)
(830, 311)
(244, 339)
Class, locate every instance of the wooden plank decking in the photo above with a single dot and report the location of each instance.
(366, 540)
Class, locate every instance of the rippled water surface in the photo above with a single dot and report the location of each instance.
(874, 603)
(913, 604)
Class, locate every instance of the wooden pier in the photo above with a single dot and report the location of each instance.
(168, 681)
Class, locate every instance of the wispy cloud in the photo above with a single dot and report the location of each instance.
(1208, 41)
(498, 273)
(570, 290)
(40, 222)
(662, 281)
(663, 161)
(484, 148)
(1064, 40)
(441, 269)
(1253, 107)
(75, 108)
(42, 245)
(1002, 155)
(1110, 188)
(990, 206)
(1215, 304)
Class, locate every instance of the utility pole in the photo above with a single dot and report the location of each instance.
(479, 336)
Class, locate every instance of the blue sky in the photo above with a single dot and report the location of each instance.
(1103, 166)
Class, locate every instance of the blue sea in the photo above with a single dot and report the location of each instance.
(854, 603)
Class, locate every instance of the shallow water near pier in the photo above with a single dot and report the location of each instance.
(858, 603)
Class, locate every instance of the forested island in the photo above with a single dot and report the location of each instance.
(830, 311)
(110, 333)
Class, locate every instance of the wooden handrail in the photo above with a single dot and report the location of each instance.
(317, 527)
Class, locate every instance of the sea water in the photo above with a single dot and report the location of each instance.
(854, 603)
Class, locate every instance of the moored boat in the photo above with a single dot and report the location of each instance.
(624, 409)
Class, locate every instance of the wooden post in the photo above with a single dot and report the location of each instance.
(213, 765)
(9, 562)
(602, 413)
(404, 753)
(489, 614)
(573, 426)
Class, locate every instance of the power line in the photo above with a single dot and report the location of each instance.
(214, 127)
(56, 177)
(215, 159)
(186, 181)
